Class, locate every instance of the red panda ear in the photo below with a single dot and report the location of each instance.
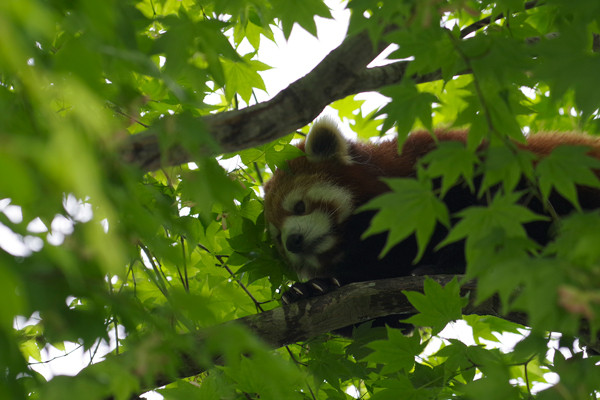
(326, 142)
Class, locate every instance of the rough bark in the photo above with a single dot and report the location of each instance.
(301, 321)
(342, 73)
(337, 76)
(307, 319)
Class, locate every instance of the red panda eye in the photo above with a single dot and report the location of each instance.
(299, 208)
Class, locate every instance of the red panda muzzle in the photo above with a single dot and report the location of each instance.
(295, 243)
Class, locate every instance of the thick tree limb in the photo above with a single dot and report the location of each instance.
(301, 321)
(291, 109)
(307, 319)
(334, 78)
(351, 304)
(342, 73)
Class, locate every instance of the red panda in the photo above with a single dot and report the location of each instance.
(310, 206)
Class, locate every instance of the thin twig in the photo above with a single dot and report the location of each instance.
(92, 355)
(258, 173)
(256, 302)
(184, 280)
(475, 26)
(160, 278)
(117, 110)
(57, 357)
(478, 90)
(223, 264)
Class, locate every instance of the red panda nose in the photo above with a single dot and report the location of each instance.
(294, 243)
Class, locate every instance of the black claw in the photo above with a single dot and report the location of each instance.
(336, 282)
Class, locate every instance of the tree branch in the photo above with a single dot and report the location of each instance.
(351, 304)
(342, 73)
(334, 78)
(291, 109)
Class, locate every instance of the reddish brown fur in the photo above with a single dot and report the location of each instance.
(543, 143)
(372, 161)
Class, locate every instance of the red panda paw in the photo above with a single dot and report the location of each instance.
(305, 290)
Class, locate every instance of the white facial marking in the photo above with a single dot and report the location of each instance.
(311, 226)
(291, 199)
(325, 245)
(337, 195)
(325, 205)
(322, 192)
(315, 229)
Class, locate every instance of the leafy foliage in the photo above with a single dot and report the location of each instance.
(568, 167)
(421, 211)
(437, 305)
(96, 253)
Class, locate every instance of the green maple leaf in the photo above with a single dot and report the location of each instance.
(438, 305)
(484, 327)
(276, 154)
(503, 213)
(397, 352)
(407, 104)
(390, 387)
(242, 77)
(451, 160)
(302, 12)
(504, 166)
(564, 169)
(411, 207)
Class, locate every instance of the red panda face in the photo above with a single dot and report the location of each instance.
(304, 221)
(310, 206)
(306, 204)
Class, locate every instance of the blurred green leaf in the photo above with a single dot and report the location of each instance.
(410, 208)
(564, 168)
(397, 352)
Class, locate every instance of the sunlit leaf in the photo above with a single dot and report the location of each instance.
(437, 305)
(397, 353)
